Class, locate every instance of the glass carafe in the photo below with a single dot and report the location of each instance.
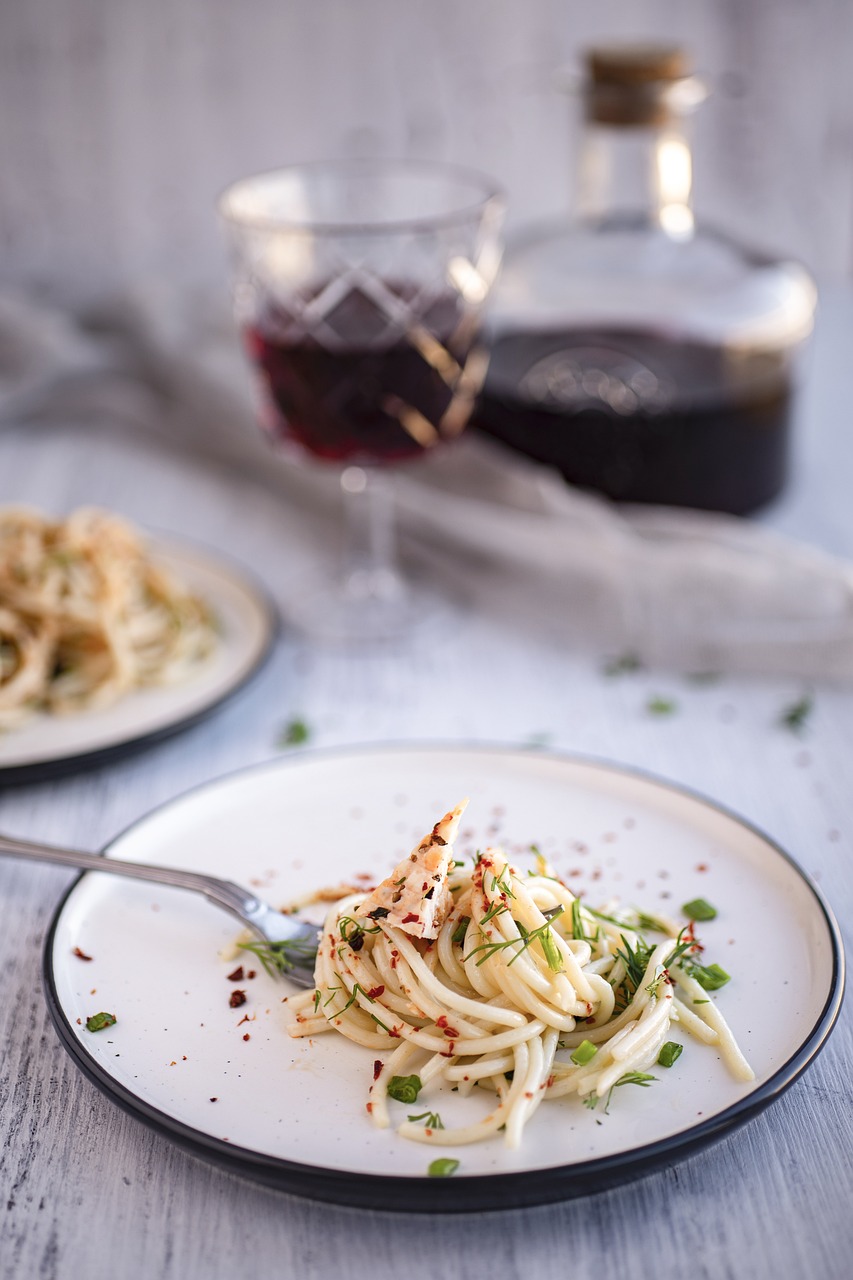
(645, 357)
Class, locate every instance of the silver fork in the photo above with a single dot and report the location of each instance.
(292, 943)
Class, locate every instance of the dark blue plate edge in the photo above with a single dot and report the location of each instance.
(479, 1192)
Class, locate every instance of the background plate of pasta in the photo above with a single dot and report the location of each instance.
(577, 974)
(109, 639)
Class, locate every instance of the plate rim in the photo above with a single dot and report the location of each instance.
(475, 1192)
(76, 761)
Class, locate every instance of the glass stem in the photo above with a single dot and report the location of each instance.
(370, 565)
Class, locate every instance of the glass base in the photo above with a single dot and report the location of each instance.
(371, 607)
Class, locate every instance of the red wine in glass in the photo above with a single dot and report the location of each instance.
(366, 390)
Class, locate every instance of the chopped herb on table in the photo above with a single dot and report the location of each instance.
(623, 665)
(99, 1021)
(661, 706)
(795, 717)
(443, 1168)
(294, 734)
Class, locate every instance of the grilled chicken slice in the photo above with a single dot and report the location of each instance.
(415, 897)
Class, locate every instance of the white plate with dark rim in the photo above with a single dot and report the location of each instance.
(47, 746)
(231, 1086)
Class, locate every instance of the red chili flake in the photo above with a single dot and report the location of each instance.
(369, 1107)
(374, 993)
(395, 1033)
(451, 1033)
(214, 1099)
(411, 918)
(549, 1082)
(237, 975)
(527, 1094)
(702, 866)
(236, 999)
(251, 974)
(377, 1068)
(81, 955)
(247, 1036)
(246, 1018)
(183, 1057)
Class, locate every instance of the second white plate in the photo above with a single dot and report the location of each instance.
(49, 745)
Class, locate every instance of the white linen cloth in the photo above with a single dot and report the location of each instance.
(681, 590)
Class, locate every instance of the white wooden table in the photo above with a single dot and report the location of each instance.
(88, 1191)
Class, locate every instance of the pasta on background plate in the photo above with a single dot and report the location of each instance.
(86, 615)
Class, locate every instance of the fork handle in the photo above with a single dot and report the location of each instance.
(224, 893)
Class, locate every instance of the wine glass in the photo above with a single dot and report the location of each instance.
(359, 289)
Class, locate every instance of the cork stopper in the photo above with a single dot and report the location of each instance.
(628, 84)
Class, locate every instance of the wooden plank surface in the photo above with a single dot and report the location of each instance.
(87, 1191)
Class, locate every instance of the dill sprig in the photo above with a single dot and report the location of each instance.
(496, 909)
(432, 1120)
(281, 957)
(640, 1078)
(636, 961)
(542, 934)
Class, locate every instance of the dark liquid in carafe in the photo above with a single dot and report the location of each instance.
(644, 417)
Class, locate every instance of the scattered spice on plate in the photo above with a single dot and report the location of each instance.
(237, 998)
(81, 955)
(237, 975)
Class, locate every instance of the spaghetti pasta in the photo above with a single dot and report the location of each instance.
(86, 616)
(523, 991)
